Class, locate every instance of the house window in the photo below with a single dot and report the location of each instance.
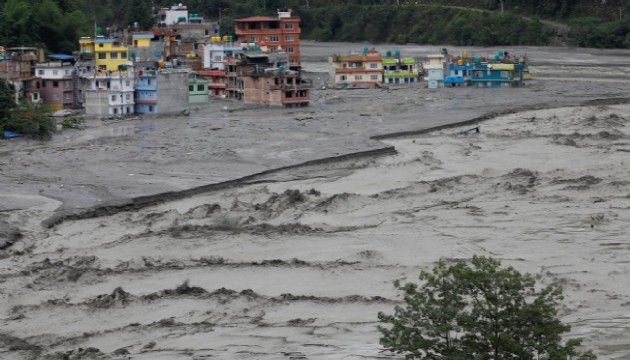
(373, 65)
(288, 26)
(40, 72)
(115, 111)
(191, 87)
(149, 82)
(290, 50)
(288, 38)
(456, 72)
(113, 97)
(374, 77)
(275, 38)
(123, 55)
(54, 72)
(128, 96)
(200, 88)
(150, 108)
(343, 78)
(55, 97)
(66, 84)
(127, 83)
(100, 45)
(44, 83)
(67, 96)
(113, 55)
(128, 110)
(55, 84)
(358, 77)
(102, 67)
(102, 56)
(253, 39)
(35, 96)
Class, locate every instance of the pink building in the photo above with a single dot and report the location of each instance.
(57, 84)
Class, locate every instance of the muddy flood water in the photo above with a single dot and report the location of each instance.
(296, 263)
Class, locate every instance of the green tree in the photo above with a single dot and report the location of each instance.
(16, 22)
(29, 120)
(478, 311)
(7, 101)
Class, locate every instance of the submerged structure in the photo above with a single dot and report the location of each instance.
(500, 70)
(266, 79)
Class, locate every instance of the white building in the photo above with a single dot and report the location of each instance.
(176, 14)
(215, 53)
(109, 93)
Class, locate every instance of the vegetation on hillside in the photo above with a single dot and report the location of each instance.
(57, 24)
(478, 311)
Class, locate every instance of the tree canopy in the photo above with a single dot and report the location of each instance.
(478, 311)
(57, 25)
(24, 118)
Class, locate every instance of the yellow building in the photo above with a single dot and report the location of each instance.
(142, 40)
(108, 54)
(86, 46)
(365, 70)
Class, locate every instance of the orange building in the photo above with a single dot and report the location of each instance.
(283, 31)
(354, 70)
(217, 81)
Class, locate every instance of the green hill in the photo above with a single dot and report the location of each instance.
(58, 24)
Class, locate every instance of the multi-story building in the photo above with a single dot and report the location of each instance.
(109, 55)
(215, 53)
(497, 75)
(20, 61)
(400, 70)
(501, 70)
(214, 56)
(197, 90)
(282, 33)
(109, 93)
(27, 88)
(266, 79)
(59, 82)
(357, 70)
(216, 81)
(161, 91)
(186, 33)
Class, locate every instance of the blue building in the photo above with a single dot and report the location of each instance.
(147, 92)
(497, 75)
(459, 75)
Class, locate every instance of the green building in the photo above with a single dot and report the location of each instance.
(198, 92)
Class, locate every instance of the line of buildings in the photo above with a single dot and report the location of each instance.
(370, 69)
(183, 61)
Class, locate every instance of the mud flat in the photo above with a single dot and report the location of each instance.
(296, 263)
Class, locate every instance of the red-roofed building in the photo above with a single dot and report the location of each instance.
(217, 80)
(283, 31)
